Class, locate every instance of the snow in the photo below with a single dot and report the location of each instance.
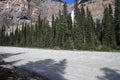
(65, 65)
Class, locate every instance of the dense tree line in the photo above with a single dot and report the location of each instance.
(83, 33)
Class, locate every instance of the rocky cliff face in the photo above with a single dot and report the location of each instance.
(97, 7)
(14, 12)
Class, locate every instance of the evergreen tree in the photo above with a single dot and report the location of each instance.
(16, 36)
(66, 24)
(0, 37)
(58, 38)
(22, 36)
(39, 31)
(112, 30)
(53, 31)
(79, 26)
(98, 32)
(117, 21)
(28, 35)
(108, 29)
(89, 31)
(71, 34)
(32, 35)
(53, 27)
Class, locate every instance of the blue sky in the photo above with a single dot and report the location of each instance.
(68, 1)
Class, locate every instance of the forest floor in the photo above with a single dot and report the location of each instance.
(64, 64)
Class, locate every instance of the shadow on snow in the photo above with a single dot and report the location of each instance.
(7, 55)
(49, 68)
(109, 74)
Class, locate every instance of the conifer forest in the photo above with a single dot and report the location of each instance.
(82, 34)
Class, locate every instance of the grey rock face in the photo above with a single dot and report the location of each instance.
(11, 11)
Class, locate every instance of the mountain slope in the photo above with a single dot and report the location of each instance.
(13, 10)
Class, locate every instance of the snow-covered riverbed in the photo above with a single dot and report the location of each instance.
(65, 65)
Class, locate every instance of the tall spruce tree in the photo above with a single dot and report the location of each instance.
(89, 31)
(16, 36)
(53, 31)
(0, 37)
(112, 29)
(64, 25)
(58, 39)
(78, 29)
(108, 29)
(117, 21)
(98, 32)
